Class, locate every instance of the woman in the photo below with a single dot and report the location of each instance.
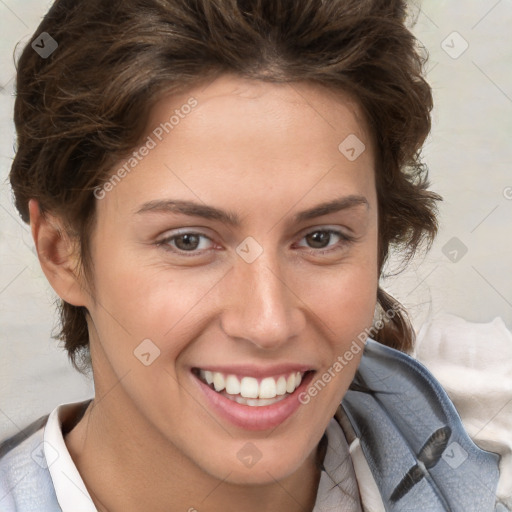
(213, 188)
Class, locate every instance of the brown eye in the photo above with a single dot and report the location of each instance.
(194, 244)
(322, 239)
(319, 239)
(187, 242)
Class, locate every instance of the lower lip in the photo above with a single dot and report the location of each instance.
(254, 417)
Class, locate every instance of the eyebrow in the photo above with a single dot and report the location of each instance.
(212, 213)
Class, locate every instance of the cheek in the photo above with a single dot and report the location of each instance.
(345, 307)
(344, 296)
(344, 300)
(137, 301)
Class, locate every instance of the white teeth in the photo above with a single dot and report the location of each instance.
(218, 381)
(281, 386)
(208, 375)
(249, 387)
(249, 390)
(290, 383)
(268, 388)
(232, 385)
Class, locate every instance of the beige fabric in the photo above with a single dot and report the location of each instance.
(338, 486)
(371, 499)
(368, 490)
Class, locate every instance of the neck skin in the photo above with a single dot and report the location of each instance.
(126, 471)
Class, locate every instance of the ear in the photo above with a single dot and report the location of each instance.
(58, 255)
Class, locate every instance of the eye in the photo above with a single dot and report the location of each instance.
(186, 242)
(320, 238)
(190, 243)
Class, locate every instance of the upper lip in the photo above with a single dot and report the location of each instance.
(256, 371)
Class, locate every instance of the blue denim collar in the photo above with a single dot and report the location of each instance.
(413, 439)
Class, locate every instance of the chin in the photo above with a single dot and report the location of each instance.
(261, 470)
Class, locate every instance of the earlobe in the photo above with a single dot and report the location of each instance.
(57, 255)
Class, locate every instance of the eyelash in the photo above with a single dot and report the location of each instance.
(345, 240)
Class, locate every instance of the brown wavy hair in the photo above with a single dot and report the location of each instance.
(85, 107)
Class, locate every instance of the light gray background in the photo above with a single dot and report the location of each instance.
(469, 154)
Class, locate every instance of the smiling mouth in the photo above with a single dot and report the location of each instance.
(250, 390)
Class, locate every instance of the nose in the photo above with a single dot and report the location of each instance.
(260, 305)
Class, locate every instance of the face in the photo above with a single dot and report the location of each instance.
(238, 249)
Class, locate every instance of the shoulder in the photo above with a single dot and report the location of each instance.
(25, 482)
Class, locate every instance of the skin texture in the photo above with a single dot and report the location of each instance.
(264, 152)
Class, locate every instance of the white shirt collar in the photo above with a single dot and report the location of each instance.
(69, 487)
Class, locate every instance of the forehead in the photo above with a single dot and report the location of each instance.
(233, 102)
(253, 138)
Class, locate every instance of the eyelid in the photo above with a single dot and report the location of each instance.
(329, 228)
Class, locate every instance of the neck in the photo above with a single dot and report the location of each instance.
(126, 465)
